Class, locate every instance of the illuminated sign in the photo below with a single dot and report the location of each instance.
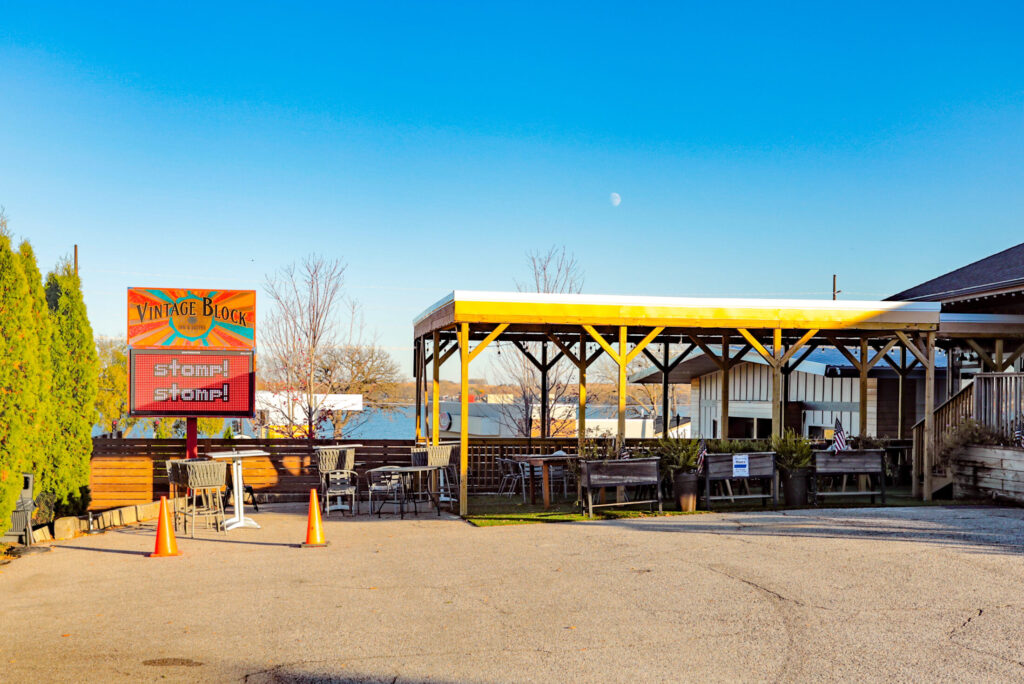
(192, 383)
(159, 318)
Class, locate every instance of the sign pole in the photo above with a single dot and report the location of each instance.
(191, 437)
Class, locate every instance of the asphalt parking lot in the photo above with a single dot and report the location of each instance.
(924, 593)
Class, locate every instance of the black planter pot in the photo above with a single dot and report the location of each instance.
(794, 485)
(684, 491)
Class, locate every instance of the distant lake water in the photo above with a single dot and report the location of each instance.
(399, 423)
(396, 424)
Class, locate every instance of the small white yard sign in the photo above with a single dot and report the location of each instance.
(741, 465)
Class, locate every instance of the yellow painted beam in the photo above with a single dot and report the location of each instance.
(862, 387)
(487, 340)
(643, 343)
(464, 355)
(712, 314)
(758, 347)
(796, 347)
(435, 394)
(601, 341)
(621, 433)
(581, 416)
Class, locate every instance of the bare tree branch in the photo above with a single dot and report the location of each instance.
(553, 271)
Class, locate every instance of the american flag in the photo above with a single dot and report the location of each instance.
(702, 451)
(1018, 435)
(840, 437)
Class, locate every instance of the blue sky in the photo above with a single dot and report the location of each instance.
(756, 149)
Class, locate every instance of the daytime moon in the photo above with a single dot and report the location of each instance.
(615, 199)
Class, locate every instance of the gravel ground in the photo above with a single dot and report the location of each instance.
(924, 593)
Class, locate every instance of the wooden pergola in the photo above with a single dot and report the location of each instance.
(783, 332)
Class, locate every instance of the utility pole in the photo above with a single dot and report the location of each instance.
(76, 261)
(834, 290)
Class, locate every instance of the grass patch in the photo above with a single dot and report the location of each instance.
(491, 511)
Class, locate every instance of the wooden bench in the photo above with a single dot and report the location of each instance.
(632, 472)
(760, 466)
(842, 463)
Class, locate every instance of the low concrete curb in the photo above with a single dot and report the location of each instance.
(71, 527)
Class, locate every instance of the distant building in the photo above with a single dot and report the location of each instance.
(823, 388)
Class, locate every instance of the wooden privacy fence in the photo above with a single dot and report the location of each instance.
(999, 400)
(133, 471)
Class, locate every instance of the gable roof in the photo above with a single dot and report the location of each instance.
(995, 273)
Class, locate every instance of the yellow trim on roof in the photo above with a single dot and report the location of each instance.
(671, 312)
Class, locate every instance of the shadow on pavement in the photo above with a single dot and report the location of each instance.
(977, 529)
(127, 552)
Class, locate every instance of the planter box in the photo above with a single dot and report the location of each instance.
(761, 467)
(635, 472)
(989, 472)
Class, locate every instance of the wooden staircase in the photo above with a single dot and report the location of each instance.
(946, 416)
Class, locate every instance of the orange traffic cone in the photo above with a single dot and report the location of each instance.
(166, 545)
(315, 528)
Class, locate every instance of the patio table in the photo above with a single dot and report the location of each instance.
(407, 472)
(544, 461)
(238, 519)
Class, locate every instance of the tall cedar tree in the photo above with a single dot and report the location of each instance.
(43, 450)
(18, 401)
(75, 380)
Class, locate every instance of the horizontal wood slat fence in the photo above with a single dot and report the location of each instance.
(133, 471)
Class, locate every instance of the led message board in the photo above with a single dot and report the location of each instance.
(191, 383)
(160, 318)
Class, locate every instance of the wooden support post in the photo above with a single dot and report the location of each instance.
(581, 361)
(862, 405)
(901, 372)
(545, 418)
(777, 414)
(929, 411)
(623, 357)
(581, 417)
(997, 357)
(664, 391)
(620, 436)
(723, 416)
(464, 354)
(777, 360)
(417, 371)
(435, 399)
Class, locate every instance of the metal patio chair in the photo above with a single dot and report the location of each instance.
(205, 481)
(387, 487)
(338, 479)
(511, 476)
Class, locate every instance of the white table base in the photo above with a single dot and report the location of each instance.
(238, 519)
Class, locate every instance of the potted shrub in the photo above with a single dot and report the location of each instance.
(679, 466)
(793, 459)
